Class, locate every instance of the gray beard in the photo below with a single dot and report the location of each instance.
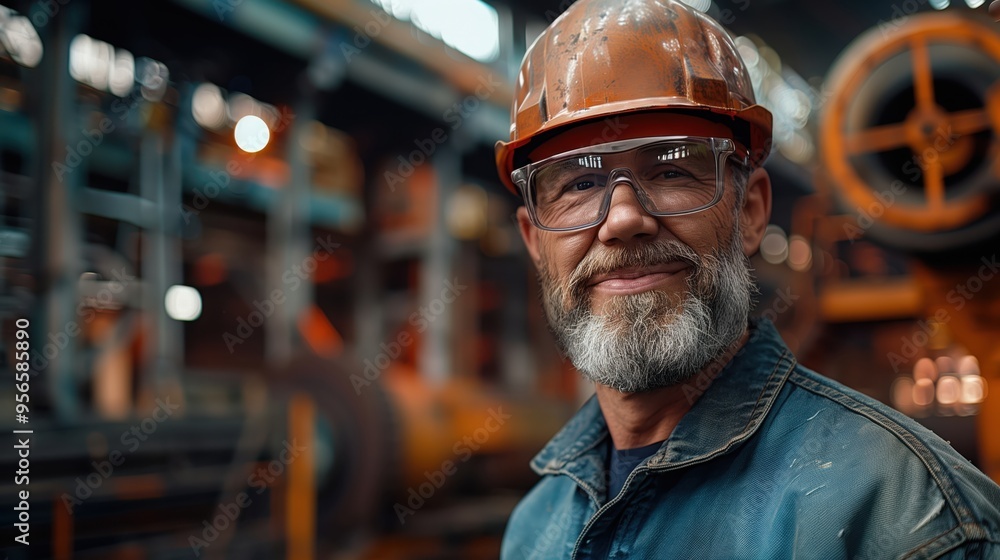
(645, 341)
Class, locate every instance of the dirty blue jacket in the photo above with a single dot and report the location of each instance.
(773, 461)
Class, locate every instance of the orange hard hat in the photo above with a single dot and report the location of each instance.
(603, 58)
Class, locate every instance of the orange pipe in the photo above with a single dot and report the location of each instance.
(846, 302)
(62, 532)
(300, 501)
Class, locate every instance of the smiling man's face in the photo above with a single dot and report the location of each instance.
(640, 302)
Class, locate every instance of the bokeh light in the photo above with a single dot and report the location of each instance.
(252, 134)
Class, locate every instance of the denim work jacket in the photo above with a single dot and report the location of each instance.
(773, 461)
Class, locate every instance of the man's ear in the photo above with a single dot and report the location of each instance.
(756, 211)
(529, 233)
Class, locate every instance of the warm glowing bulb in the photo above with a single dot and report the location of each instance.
(949, 390)
(251, 134)
(182, 303)
(774, 247)
(208, 107)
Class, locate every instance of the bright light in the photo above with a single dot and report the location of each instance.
(241, 105)
(975, 3)
(90, 61)
(19, 38)
(925, 369)
(183, 303)
(774, 247)
(103, 67)
(471, 26)
(798, 147)
(80, 52)
(467, 212)
(968, 365)
(940, 4)
(154, 78)
(122, 73)
(748, 51)
(923, 392)
(973, 389)
(251, 134)
(949, 389)
(799, 254)
(208, 107)
(902, 394)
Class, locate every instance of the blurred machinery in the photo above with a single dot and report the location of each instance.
(903, 234)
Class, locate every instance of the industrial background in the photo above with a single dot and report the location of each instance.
(276, 305)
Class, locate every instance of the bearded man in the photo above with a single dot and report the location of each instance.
(637, 148)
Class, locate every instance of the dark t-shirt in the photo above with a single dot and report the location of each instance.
(623, 461)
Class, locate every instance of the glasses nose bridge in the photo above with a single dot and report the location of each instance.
(624, 174)
(619, 173)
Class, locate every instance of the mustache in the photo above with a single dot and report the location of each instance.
(602, 260)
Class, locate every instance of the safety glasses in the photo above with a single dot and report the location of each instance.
(670, 176)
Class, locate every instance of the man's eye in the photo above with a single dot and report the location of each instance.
(671, 173)
(580, 185)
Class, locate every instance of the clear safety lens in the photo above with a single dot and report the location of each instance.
(669, 176)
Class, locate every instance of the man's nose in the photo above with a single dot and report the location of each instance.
(626, 218)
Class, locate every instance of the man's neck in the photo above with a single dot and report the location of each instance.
(638, 419)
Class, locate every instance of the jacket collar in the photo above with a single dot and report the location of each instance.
(728, 410)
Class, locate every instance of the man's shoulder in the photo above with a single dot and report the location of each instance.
(884, 465)
(857, 421)
(815, 396)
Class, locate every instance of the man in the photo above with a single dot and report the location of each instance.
(637, 147)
